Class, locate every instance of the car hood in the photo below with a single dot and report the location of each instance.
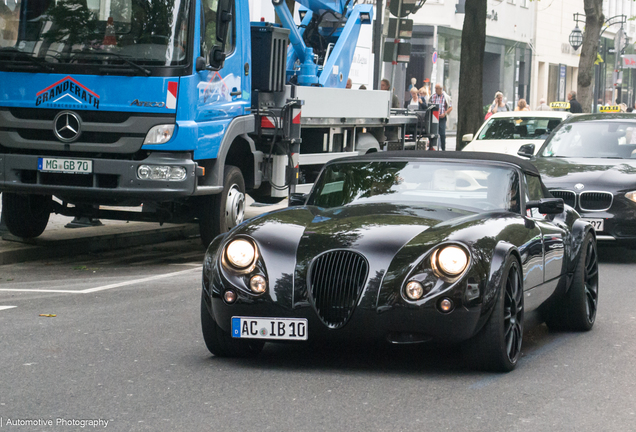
(605, 174)
(510, 146)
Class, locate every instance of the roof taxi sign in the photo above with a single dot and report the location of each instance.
(609, 109)
(560, 105)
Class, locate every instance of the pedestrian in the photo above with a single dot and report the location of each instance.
(385, 84)
(543, 106)
(445, 108)
(415, 103)
(425, 94)
(522, 105)
(349, 83)
(498, 104)
(575, 106)
(362, 87)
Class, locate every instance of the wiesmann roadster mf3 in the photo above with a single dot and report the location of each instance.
(407, 247)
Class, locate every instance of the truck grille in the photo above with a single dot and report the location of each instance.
(595, 201)
(568, 197)
(336, 280)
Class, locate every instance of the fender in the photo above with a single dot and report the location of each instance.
(580, 229)
(238, 128)
(493, 285)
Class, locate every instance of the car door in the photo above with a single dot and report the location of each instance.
(552, 239)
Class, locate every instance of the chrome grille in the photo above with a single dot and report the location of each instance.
(595, 201)
(568, 197)
(336, 280)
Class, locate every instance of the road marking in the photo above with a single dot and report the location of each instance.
(106, 287)
(6, 307)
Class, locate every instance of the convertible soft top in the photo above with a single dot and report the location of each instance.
(522, 164)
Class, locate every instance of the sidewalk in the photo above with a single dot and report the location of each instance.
(60, 241)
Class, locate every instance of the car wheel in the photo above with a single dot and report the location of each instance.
(222, 212)
(577, 310)
(497, 346)
(26, 216)
(222, 344)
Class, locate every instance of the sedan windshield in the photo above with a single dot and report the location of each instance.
(78, 32)
(534, 128)
(478, 187)
(594, 139)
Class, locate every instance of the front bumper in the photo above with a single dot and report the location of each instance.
(111, 178)
(619, 226)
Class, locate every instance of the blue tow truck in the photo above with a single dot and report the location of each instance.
(179, 106)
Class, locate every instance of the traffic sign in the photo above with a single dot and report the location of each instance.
(434, 57)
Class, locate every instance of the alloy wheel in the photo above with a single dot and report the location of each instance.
(513, 314)
(591, 282)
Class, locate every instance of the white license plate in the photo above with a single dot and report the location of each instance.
(269, 328)
(598, 224)
(66, 166)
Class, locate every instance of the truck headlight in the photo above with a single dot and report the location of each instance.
(240, 254)
(159, 134)
(631, 196)
(451, 260)
(161, 172)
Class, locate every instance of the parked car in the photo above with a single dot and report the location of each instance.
(405, 247)
(507, 132)
(590, 162)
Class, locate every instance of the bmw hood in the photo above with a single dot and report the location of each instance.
(605, 174)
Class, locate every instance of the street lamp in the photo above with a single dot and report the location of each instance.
(576, 37)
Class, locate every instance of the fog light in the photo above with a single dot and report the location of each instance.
(446, 305)
(229, 296)
(161, 172)
(414, 290)
(258, 284)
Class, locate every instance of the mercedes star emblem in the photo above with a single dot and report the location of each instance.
(579, 186)
(67, 126)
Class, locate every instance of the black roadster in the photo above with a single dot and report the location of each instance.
(590, 162)
(407, 247)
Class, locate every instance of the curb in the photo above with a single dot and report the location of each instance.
(60, 243)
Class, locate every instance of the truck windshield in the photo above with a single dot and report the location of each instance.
(81, 32)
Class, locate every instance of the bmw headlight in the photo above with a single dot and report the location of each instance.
(450, 260)
(631, 196)
(240, 254)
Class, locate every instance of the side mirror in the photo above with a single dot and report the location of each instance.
(217, 57)
(297, 199)
(223, 20)
(468, 138)
(526, 150)
(547, 205)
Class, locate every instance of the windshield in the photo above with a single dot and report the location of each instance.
(79, 32)
(595, 139)
(480, 188)
(534, 128)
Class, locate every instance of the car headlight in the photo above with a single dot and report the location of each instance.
(159, 134)
(240, 254)
(450, 260)
(631, 196)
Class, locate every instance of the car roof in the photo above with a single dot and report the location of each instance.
(421, 155)
(544, 114)
(601, 116)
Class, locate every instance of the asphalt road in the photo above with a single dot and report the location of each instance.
(125, 347)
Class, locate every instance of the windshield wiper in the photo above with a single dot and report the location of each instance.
(118, 56)
(34, 60)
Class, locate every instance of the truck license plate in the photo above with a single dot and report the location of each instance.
(598, 224)
(269, 328)
(66, 166)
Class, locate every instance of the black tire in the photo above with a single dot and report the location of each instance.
(222, 212)
(222, 344)
(576, 310)
(497, 346)
(26, 216)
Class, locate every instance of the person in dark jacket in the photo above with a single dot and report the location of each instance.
(575, 106)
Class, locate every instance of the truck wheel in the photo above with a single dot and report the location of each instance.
(222, 212)
(222, 344)
(26, 216)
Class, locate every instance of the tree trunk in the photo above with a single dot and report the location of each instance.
(589, 50)
(471, 70)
